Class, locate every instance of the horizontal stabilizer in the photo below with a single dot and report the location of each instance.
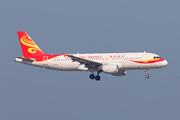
(23, 60)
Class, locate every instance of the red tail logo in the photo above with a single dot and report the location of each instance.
(29, 47)
(31, 50)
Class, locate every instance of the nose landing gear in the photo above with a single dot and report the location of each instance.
(146, 76)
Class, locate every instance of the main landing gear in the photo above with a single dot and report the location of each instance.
(97, 77)
(146, 76)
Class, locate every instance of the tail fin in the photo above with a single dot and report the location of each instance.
(29, 47)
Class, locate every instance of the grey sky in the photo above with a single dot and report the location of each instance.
(96, 26)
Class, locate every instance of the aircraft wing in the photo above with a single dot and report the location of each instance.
(88, 63)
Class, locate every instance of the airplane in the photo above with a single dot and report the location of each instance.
(110, 63)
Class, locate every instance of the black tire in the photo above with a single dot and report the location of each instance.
(147, 76)
(91, 76)
(97, 78)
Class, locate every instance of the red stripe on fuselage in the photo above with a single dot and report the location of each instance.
(148, 61)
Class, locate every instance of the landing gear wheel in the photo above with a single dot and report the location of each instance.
(97, 78)
(146, 76)
(91, 76)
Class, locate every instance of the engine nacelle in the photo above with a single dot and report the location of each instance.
(113, 69)
(110, 68)
(120, 73)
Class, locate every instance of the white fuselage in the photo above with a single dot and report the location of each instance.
(125, 60)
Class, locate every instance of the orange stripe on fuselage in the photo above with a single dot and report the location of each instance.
(148, 61)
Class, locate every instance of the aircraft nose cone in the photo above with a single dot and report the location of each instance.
(165, 62)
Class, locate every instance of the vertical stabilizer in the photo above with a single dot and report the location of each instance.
(29, 47)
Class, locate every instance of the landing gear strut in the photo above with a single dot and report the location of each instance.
(146, 76)
(97, 77)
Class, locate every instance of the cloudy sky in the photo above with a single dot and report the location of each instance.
(90, 26)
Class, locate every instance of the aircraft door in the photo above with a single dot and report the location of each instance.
(145, 58)
(45, 60)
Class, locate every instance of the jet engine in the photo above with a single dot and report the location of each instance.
(113, 69)
(120, 73)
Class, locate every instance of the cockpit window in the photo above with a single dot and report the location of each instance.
(157, 57)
